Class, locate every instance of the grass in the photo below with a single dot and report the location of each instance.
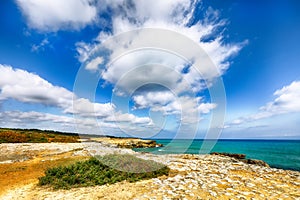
(108, 169)
(17, 174)
(34, 136)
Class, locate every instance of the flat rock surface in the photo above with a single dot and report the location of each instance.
(126, 142)
(191, 176)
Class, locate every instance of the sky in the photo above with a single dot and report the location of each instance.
(152, 69)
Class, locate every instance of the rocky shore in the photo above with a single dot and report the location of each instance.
(242, 157)
(191, 176)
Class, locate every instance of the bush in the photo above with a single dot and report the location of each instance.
(102, 170)
(34, 136)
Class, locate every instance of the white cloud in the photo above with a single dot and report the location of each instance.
(129, 118)
(174, 107)
(31, 88)
(133, 70)
(39, 47)
(153, 64)
(166, 102)
(173, 15)
(206, 107)
(27, 87)
(188, 108)
(94, 64)
(160, 66)
(287, 100)
(109, 126)
(32, 119)
(52, 15)
(150, 99)
(84, 107)
(84, 50)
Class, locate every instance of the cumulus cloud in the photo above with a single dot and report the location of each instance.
(128, 118)
(27, 87)
(173, 15)
(151, 99)
(126, 73)
(84, 107)
(136, 67)
(32, 119)
(287, 100)
(167, 102)
(108, 126)
(132, 70)
(206, 107)
(94, 64)
(52, 15)
(188, 108)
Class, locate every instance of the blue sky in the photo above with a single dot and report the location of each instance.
(179, 69)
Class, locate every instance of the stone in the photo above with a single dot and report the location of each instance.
(233, 155)
(256, 162)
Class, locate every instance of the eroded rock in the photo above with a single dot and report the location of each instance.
(233, 155)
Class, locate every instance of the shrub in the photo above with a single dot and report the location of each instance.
(102, 170)
(34, 136)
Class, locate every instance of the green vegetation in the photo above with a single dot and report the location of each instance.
(129, 163)
(35, 136)
(102, 170)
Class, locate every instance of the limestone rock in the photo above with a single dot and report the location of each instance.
(256, 162)
(233, 155)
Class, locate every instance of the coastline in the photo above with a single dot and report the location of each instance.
(191, 176)
(281, 154)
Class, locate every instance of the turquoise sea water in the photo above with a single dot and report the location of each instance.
(283, 154)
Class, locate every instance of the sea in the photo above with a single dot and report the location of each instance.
(282, 154)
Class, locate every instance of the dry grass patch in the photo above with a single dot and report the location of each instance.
(17, 174)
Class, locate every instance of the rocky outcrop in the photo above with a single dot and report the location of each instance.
(127, 142)
(138, 143)
(233, 155)
(222, 177)
(242, 157)
(256, 162)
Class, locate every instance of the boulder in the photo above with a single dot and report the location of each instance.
(256, 162)
(242, 157)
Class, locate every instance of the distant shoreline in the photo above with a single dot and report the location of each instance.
(146, 138)
(281, 154)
